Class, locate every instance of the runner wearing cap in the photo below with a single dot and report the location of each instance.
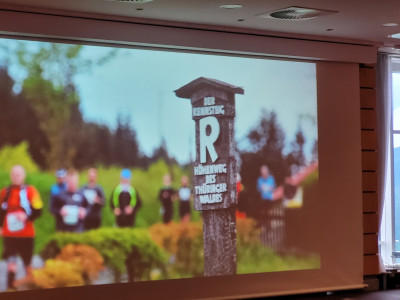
(59, 187)
(20, 206)
(125, 201)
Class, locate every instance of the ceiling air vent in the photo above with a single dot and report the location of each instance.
(295, 13)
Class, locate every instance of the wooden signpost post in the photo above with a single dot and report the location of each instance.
(213, 110)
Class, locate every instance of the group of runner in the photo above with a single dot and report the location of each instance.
(168, 195)
(79, 209)
(75, 209)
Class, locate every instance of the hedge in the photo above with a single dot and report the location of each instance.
(123, 249)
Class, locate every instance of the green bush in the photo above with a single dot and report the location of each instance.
(123, 249)
(184, 243)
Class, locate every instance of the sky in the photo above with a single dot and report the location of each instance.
(141, 84)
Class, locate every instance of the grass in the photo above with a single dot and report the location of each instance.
(259, 259)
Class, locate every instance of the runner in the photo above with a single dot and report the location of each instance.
(59, 187)
(125, 201)
(20, 205)
(71, 206)
(265, 186)
(185, 195)
(166, 196)
(95, 196)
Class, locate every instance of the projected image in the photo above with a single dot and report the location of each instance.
(126, 165)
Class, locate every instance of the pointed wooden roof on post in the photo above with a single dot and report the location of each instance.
(202, 82)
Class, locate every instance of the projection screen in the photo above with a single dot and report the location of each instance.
(229, 164)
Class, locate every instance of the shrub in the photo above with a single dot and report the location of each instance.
(164, 236)
(58, 273)
(123, 250)
(184, 242)
(190, 254)
(88, 258)
(247, 233)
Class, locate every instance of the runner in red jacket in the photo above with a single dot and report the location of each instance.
(20, 205)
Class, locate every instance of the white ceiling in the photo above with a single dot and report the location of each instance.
(356, 20)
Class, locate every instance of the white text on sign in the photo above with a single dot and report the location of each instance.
(209, 101)
(209, 130)
(210, 188)
(207, 140)
(209, 169)
(208, 110)
(208, 199)
(211, 179)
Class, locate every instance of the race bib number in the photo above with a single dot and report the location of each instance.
(90, 195)
(14, 223)
(72, 214)
(184, 194)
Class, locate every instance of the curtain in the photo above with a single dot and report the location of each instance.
(383, 110)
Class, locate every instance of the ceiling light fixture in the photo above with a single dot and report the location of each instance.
(295, 13)
(390, 24)
(395, 36)
(231, 6)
